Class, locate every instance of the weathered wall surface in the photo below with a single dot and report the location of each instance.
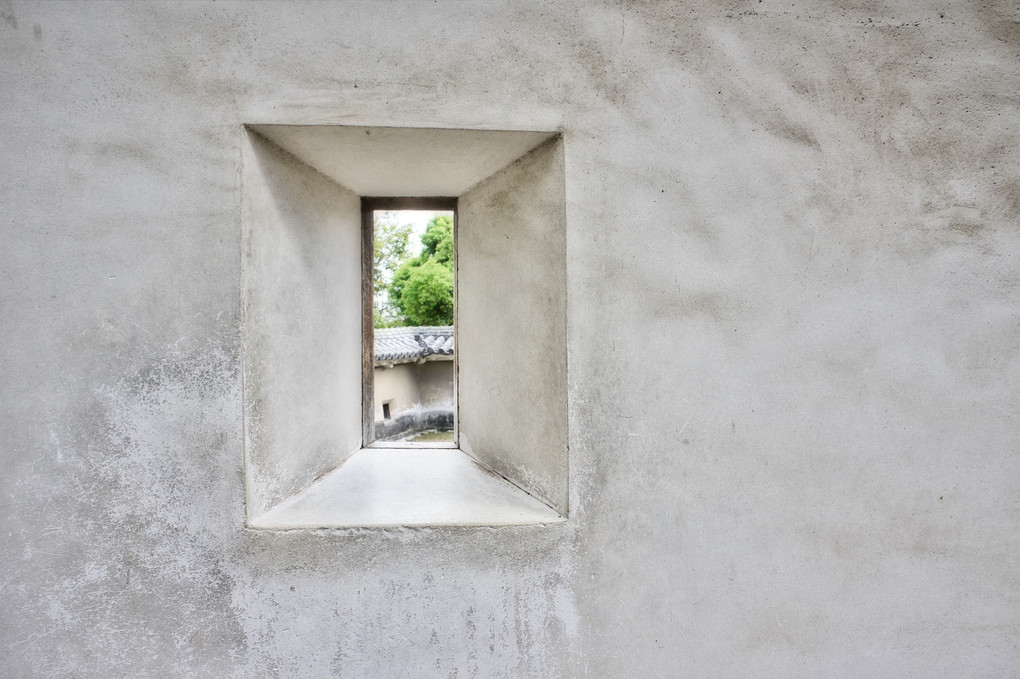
(301, 323)
(435, 382)
(794, 345)
(511, 324)
(398, 384)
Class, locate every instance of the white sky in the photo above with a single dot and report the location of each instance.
(418, 219)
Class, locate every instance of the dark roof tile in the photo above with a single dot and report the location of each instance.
(412, 343)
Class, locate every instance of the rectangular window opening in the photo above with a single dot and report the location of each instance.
(313, 458)
(409, 328)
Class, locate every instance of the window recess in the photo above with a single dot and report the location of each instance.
(310, 458)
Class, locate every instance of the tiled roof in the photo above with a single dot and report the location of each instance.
(408, 344)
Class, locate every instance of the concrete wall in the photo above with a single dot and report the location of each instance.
(794, 355)
(435, 382)
(301, 323)
(406, 384)
(511, 324)
(398, 384)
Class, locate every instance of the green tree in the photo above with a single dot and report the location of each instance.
(437, 241)
(391, 251)
(427, 294)
(422, 287)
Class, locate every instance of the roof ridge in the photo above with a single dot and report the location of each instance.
(411, 342)
(408, 330)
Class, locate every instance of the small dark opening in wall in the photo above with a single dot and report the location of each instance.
(386, 410)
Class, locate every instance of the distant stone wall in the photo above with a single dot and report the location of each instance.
(435, 383)
(414, 421)
(408, 385)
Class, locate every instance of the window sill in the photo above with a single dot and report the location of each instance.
(391, 487)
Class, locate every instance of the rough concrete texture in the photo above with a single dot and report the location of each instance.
(301, 325)
(511, 324)
(793, 334)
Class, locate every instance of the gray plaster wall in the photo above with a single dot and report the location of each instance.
(435, 382)
(792, 331)
(398, 384)
(409, 384)
(511, 324)
(301, 323)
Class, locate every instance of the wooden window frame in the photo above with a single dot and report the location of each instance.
(369, 204)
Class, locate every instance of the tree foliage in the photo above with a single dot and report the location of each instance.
(391, 240)
(426, 294)
(422, 287)
(391, 251)
(437, 241)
